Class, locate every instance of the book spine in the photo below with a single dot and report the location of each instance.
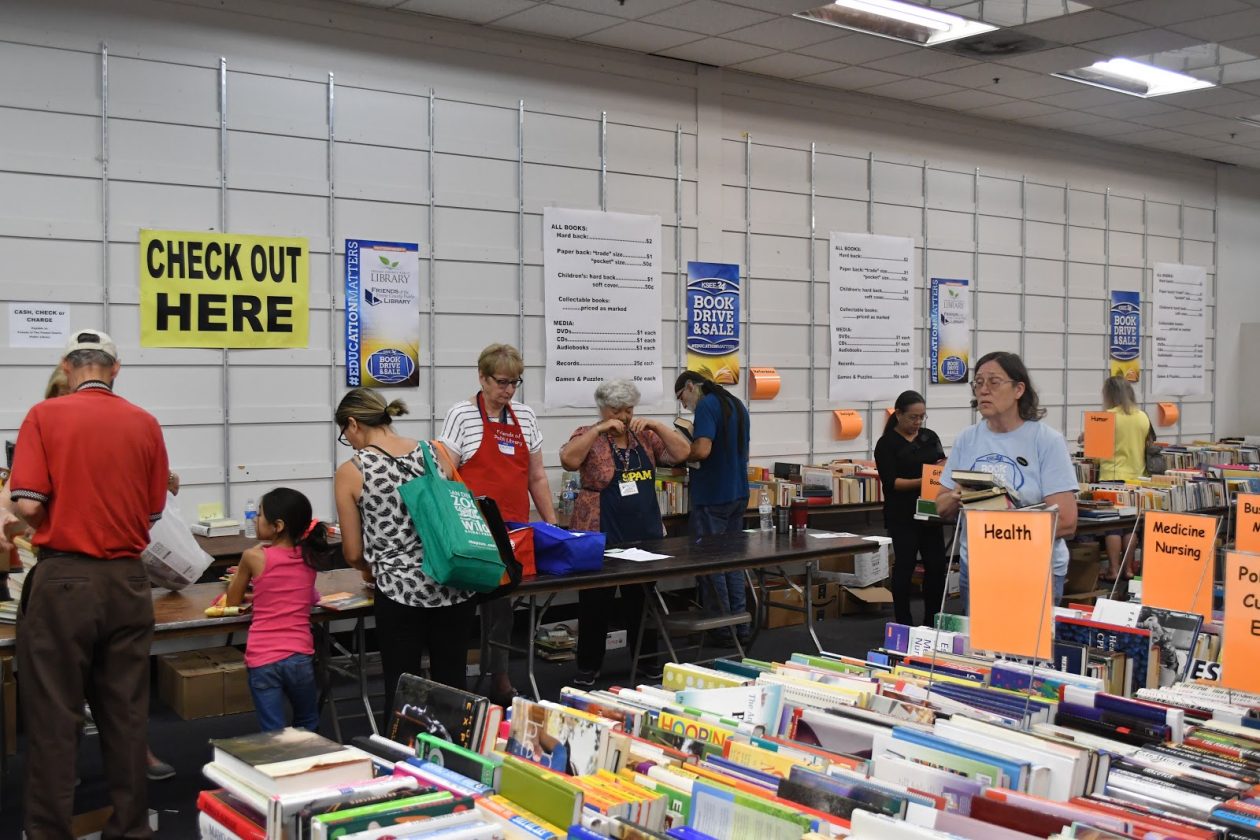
(211, 829)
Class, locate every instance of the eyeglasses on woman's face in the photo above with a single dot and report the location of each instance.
(504, 382)
(341, 438)
(988, 383)
(915, 418)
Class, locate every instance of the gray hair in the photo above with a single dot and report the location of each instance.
(84, 358)
(617, 393)
(1118, 393)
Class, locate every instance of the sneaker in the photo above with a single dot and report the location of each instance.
(160, 771)
(585, 679)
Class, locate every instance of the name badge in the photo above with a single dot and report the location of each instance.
(507, 448)
(629, 488)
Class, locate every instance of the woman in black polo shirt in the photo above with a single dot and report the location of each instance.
(906, 446)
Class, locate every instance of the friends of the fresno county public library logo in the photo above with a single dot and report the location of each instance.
(1006, 470)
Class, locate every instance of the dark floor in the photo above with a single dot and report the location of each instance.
(184, 743)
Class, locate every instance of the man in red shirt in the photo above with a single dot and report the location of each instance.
(90, 475)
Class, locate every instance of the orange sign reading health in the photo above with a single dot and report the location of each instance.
(1008, 568)
(1240, 646)
(1177, 561)
(931, 486)
(1100, 434)
(1247, 535)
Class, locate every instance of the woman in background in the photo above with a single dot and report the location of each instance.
(906, 446)
(1133, 429)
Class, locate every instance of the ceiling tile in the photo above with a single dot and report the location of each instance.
(781, 7)
(1131, 107)
(1053, 60)
(787, 65)
(708, 17)
(1164, 12)
(1205, 97)
(1222, 27)
(853, 78)
(858, 49)
(786, 34)
(1063, 120)
(1249, 44)
(1086, 96)
(377, 4)
(1171, 119)
(1245, 108)
(717, 51)
(630, 9)
(911, 89)
(1015, 110)
(1106, 128)
(1082, 26)
(1211, 126)
(965, 100)
(641, 37)
(1150, 135)
(921, 62)
(556, 21)
(1145, 42)
(482, 12)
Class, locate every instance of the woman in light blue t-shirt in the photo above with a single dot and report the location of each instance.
(1029, 458)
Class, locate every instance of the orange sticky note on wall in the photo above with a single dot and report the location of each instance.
(1168, 414)
(1247, 532)
(1100, 434)
(763, 383)
(1008, 569)
(1178, 556)
(848, 423)
(1240, 646)
(931, 480)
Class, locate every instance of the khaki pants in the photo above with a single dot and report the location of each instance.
(84, 632)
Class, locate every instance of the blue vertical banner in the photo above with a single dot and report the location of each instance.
(949, 341)
(1126, 335)
(382, 314)
(713, 321)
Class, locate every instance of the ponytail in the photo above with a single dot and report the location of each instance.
(731, 406)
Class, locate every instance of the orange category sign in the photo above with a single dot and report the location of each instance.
(1177, 561)
(931, 480)
(1008, 562)
(1240, 646)
(1100, 434)
(1247, 534)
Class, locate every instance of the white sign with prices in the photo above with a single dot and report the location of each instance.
(39, 324)
(872, 316)
(1179, 330)
(603, 303)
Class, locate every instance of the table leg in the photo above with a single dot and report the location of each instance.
(360, 651)
(323, 653)
(809, 605)
(529, 645)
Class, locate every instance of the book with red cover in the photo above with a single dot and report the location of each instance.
(1016, 817)
(232, 814)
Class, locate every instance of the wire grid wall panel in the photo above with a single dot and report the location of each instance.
(102, 146)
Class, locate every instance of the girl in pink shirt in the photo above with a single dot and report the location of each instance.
(279, 652)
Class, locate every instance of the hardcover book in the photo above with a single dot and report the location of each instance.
(424, 706)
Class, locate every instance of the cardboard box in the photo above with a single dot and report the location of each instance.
(861, 570)
(787, 597)
(204, 683)
(854, 600)
(1083, 568)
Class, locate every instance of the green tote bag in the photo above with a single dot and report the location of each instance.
(459, 550)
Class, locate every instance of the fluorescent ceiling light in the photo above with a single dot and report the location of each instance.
(1125, 75)
(897, 20)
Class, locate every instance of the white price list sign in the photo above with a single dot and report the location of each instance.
(872, 316)
(1179, 329)
(603, 303)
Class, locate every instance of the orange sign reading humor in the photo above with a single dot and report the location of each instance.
(1008, 562)
(1177, 561)
(1240, 645)
(931, 480)
(1100, 434)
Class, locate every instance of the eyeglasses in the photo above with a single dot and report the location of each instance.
(992, 383)
(341, 438)
(916, 418)
(508, 383)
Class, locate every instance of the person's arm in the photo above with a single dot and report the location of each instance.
(452, 436)
(1067, 513)
(1058, 479)
(577, 447)
(677, 447)
(886, 465)
(252, 559)
(540, 488)
(172, 483)
(30, 484)
(949, 499)
(159, 478)
(700, 449)
(707, 421)
(347, 487)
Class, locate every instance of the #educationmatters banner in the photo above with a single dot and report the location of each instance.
(949, 345)
(1126, 335)
(200, 289)
(382, 314)
(713, 321)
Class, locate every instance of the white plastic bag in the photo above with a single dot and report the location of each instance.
(173, 558)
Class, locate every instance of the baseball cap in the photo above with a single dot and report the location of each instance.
(91, 340)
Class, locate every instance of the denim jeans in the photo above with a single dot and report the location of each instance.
(292, 677)
(722, 592)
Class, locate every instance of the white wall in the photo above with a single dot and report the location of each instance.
(1042, 223)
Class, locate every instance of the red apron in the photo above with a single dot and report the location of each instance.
(500, 466)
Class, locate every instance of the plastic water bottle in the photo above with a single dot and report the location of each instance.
(765, 511)
(251, 519)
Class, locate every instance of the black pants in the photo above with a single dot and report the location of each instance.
(910, 541)
(84, 632)
(405, 633)
(596, 609)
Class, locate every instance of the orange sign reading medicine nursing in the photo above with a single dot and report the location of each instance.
(1100, 434)
(1247, 535)
(1240, 645)
(1177, 561)
(931, 486)
(1008, 563)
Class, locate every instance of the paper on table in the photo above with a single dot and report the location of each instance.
(638, 555)
(830, 535)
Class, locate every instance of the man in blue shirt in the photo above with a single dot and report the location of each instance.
(718, 476)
